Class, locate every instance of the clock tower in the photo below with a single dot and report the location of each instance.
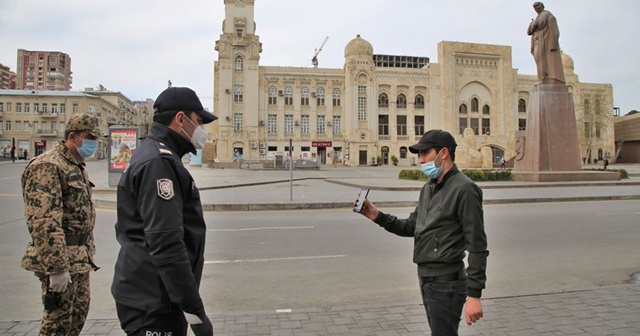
(236, 77)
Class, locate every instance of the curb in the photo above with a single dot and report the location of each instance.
(105, 204)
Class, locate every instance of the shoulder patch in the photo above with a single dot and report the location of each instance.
(164, 151)
(165, 189)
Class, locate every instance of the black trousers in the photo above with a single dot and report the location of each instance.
(443, 298)
(158, 320)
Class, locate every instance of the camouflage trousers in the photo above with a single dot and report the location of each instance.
(72, 306)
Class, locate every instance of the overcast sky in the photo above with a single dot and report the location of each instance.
(135, 46)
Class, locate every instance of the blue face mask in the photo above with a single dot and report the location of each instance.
(88, 148)
(430, 168)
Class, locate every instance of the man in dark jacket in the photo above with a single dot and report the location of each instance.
(161, 228)
(447, 222)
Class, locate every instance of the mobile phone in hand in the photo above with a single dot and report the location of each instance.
(361, 197)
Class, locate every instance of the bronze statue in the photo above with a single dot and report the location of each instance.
(545, 47)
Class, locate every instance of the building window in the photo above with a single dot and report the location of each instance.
(475, 126)
(1, 107)
(401, 122)
(288, 123)
(362, 108)
(304, 96)
(237, 93)
(18, 126)
(462, 125)
(321, 125)
(74, 108)
(18, 107)
(288, 95)
(587, 130)
(485, 109)
(273, 95)
(272, 124)
(402, 101)
(383, 125)
(239, 32)
(418, 122)
(237, 122)
(44, 108)
(362, 90)
(522, 105)
(54, 108)
(320, 97)
(522, 124)
(463, 108)
(383, 100)
(486, 126)
(239, 63)
(7, 126)
(27, 107)
(598, 133)
(474, 105)
(336, 97)
(8, 107)
(62, 109)
(36, 107)
(304, 124)
(337, 128)
(419, 102)
(403, 153)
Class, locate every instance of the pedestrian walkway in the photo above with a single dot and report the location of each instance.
(247, 190)
(611, 310)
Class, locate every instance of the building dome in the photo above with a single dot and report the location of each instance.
(358, 46)
(567, 61)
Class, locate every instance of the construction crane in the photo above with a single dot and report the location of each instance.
(314, 60)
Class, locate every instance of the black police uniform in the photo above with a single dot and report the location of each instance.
(161, 231)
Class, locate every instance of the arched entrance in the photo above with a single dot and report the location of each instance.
(385, 155)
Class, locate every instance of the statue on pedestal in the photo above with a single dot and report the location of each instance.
(545, 47)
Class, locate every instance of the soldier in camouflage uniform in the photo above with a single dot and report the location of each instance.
(60, 218)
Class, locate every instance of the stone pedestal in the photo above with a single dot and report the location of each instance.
(549, 150)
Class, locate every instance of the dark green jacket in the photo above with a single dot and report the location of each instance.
(448, 221)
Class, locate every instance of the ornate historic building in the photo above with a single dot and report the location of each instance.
(377, 105)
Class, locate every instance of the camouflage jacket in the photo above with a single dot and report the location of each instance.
(57, 204)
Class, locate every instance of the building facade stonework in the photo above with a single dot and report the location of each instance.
(35, 121)
(376, 106)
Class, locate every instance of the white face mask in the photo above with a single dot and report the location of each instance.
(199, 136)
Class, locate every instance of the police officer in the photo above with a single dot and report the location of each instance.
(160, 227)
(60, 218)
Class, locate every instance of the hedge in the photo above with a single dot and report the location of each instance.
(474, 174)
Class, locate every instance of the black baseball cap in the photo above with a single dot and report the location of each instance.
(181, 99)
(434, 138)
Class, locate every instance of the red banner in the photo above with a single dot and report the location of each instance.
(321, 143)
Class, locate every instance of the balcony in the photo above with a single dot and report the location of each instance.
(48, 115)
(55, 75)
(47, 133)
